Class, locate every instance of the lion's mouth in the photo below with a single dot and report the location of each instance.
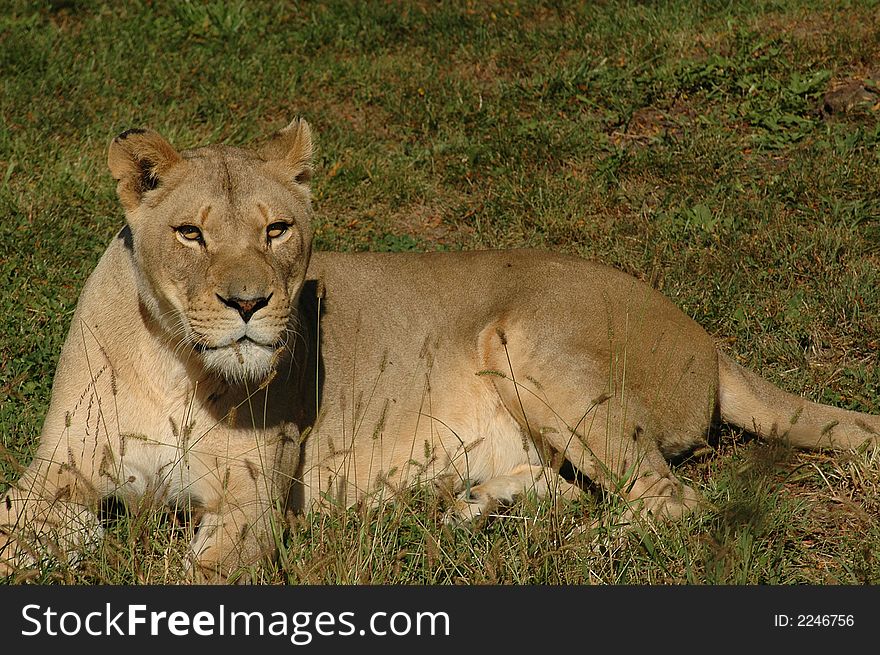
(242, 359)
(238, 343)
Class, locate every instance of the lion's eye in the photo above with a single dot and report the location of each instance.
(276, 230)
(189, 232)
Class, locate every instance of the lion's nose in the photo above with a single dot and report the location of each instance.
(246, 307)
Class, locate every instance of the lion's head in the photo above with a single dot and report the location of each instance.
(220, 238)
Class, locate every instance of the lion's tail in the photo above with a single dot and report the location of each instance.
(750, 402)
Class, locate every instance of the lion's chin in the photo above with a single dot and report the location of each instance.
(242, 361)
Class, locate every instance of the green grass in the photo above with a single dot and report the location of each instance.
(691, 144)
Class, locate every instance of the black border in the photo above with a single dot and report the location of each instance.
(520, 618)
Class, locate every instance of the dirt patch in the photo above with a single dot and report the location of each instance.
(814, 27)
(484, 74)
(431, 222)
(852, 97)
(361, 118)
(648, 124)
(418, 226)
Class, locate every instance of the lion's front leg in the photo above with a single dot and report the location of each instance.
(543, 481)
(228, 545)
(48, 513)
(243, 506)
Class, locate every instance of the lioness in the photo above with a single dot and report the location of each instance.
(213, 360)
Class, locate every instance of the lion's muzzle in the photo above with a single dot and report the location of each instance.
(246, 307)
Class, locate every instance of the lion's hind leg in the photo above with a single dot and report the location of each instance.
(608, 436)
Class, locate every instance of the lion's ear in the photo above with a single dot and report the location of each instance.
(292, 149)
(138, 160)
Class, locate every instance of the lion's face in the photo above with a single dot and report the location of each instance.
(221, 240)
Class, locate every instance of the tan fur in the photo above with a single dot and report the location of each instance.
(163, 389)
(479, 371)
